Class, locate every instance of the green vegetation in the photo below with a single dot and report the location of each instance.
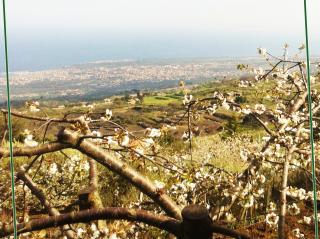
(218, 144)
(162, 100)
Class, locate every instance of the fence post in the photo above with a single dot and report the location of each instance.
(195, 223)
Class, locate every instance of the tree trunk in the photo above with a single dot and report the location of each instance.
(196, 223)
(283, 195)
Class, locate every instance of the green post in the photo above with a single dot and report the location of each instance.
(9, 122)
(314, 183)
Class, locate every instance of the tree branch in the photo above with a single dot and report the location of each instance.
(121, 168)
(35, 190)
(56, 120)
(109, 213)
(31, 151)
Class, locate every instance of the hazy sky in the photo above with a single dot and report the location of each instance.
(85, 30)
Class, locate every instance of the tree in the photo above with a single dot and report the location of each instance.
(90, 143)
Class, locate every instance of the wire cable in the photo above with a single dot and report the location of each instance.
(314, 185)
(14, 213)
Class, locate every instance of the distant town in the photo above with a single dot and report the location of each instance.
(105, 78)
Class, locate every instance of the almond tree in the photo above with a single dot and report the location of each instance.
(285, 121)
(61, 182)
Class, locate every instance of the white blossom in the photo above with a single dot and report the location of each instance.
(230, 217)
(33, 108)
(53, 169)
(85, 166)
(29, 142)
(283, 120)
(249, 202)
(111, 141)
(246, 111)
(96, 134)
(302, 46)
(148, 142)
(225, 105)
(296, 232)
(272, 207)
(211, 110)
(159, 184)
(125, 140)
(186, 136)
(272, 219)
(307, 220)
(260, 109)
(153, 133)
(293, 209)
(113, 236)
(187, 99)
(80, 232)
(244, 155)
(262, 51)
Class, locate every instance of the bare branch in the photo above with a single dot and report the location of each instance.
(269, 131)
(40, 195)
(109, 213)
(36, 118)
(32, 151)
(121, 168)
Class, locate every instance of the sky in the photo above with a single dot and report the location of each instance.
(51, 33)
